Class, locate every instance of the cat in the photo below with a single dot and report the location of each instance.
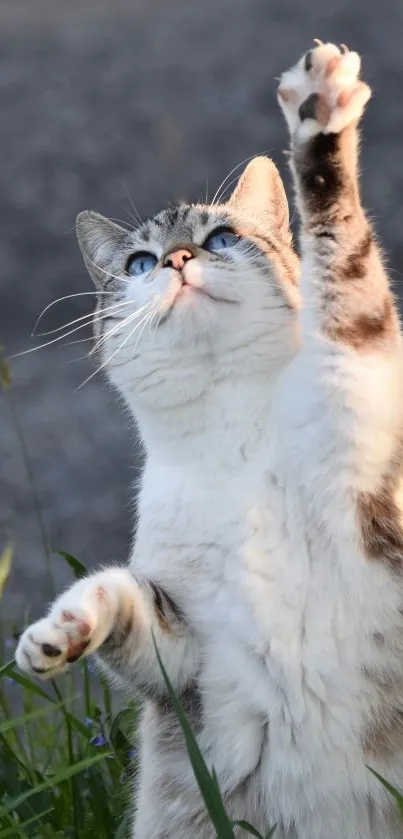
(268, 560)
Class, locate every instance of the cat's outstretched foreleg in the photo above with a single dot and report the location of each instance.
(115, 615)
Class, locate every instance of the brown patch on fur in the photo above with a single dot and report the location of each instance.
(320, 170)
(355, 266)
(286, 259)
(380, 524)
(383, 736)
(164, 624)
(166, 610)
(121, 631)
(365, 328)
(76, 650)
(287, 95)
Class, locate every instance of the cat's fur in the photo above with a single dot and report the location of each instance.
(268, 557)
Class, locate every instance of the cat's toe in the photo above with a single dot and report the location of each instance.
(49, 645)
(42, 649)
(322, 93)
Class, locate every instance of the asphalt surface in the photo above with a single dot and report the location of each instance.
(108, 105)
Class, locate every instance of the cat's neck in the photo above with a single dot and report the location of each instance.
(206, 416)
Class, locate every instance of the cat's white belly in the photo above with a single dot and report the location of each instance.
(284, 631)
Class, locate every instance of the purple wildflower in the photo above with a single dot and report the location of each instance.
(98, 740)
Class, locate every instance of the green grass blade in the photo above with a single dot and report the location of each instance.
(79, 570)
(6, 668)
(248, 827)
(56, 779)
(75, 797)
(5, 565)
(271, 832)
(11, 831)
(123, 829)
(14, 722)
(5, 374)
(87, 687)
(32, 482)
(26, 683)
(394, 792)
(207, 784)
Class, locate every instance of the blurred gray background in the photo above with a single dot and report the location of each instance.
(108, 104)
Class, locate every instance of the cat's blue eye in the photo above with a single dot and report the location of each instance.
(140, 263)
(221, 239)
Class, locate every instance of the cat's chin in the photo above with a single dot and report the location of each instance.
(188, 294)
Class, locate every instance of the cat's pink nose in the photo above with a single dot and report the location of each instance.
(177, 259)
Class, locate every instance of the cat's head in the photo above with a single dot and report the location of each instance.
(195, 288)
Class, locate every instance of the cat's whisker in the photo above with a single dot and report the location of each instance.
(228, 186)
(89, 317)
(125, 222)
(126, 322)
(78, 341)
(206, 197)
(109, 359)
(60, 300)
(224, 181)
(49, 343)
(78, 358)
(59, 337)
(217, 197)
(146, 321)
(137, 216)
(120, 326)
(153, 331)
(118, 277)
(115, 329)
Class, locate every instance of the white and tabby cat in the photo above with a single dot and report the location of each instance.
(268, 558)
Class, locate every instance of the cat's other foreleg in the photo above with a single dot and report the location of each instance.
(350, 330)
(344, 285)
(115, 615)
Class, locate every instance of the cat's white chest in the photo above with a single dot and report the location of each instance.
(255, 574)
(224, 551)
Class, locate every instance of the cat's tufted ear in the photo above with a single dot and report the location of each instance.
(260, 193)
(103, 245)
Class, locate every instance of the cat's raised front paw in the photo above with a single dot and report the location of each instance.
(322, 93)
(78, 623)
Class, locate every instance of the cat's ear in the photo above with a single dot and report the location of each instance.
(103, 245)
(260, 193)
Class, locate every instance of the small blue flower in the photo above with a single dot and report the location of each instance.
(10, 680)
(99, 740)
(132, 753)
(89, 722)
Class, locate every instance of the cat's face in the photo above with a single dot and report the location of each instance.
(194, 282)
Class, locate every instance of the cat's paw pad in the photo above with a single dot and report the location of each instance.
(73, 627)
(323, 93)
